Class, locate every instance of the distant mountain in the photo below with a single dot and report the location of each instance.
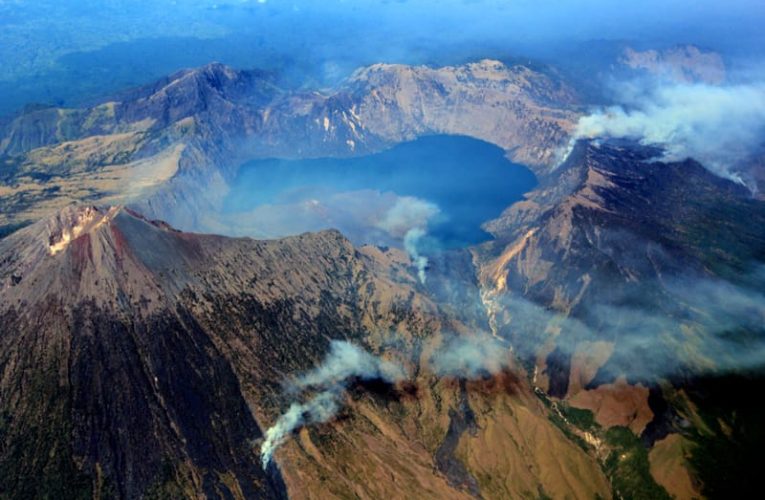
(157, 146)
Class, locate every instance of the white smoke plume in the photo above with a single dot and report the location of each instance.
(466, 357)
(407, 213)
(344, 362)
(318, 409)
(471, 357)
(717, 125)
(408, 218)
(411, 239)
(364, 215)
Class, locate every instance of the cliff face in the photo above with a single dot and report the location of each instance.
(140, 360)
(524, 112)
(168, 148)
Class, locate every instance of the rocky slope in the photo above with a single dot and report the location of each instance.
(142, 361)
(618, 283)
(523, 111)
(139, 360)
(155, 146)
(616, 226)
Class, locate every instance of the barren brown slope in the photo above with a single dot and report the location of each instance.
(137, 359)
(616, 223)
(526, 113)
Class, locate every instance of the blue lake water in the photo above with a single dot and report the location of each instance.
(471, 181)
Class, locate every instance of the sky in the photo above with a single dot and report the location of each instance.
(62, 52)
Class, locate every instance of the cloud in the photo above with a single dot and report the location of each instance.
(406, 214)
(343, 363)
(718, 126)
(408, 218)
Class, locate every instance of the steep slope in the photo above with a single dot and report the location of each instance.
(187, 125)
(139, 361)
(214, 90)
(615, 227)
(619, 283)
(522, 111)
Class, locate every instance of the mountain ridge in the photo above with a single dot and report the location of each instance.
(197, 126)
(156, 356)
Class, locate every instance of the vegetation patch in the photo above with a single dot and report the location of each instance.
(628, 468)
(581, 418)
(728, 452)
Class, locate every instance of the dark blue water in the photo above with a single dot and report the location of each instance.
(471, 181)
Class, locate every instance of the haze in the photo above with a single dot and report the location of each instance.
(69, 52)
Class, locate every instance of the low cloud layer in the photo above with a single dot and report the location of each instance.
(716, 125)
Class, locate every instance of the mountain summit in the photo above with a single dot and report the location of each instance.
(139, 360)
